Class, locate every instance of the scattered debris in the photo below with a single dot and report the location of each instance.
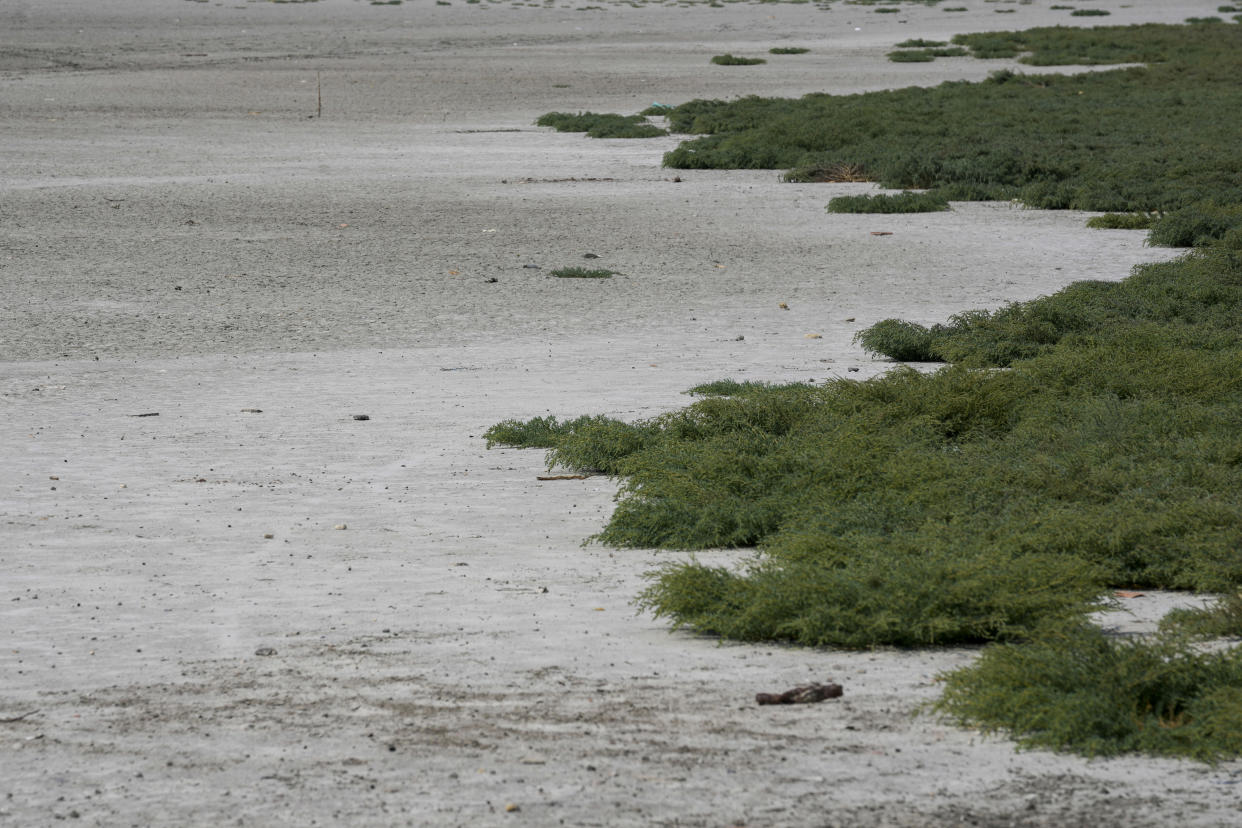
(802, 695)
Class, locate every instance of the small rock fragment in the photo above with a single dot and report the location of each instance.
(265, 651)
(362, 416)
(340, 526)
(590, 255)
(510, 808)
(252, 411)
(783, 306)
(814, 336)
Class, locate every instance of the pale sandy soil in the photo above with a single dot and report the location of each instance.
(179, 236)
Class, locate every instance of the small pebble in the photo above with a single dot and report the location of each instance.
(340, 526)
(265, 651)
(362, 416)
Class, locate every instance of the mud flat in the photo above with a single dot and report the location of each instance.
(228, 231)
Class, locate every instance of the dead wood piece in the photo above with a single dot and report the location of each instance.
(13, 719)
(802, 695)
(561, 477)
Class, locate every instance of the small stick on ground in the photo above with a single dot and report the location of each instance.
(18, 718)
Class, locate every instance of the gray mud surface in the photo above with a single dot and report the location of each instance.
(224, 599)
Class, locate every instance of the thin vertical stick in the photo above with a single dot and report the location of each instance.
(318, 96)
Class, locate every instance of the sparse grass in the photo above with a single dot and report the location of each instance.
(788, 50)
(905, 202)
(920, 43)
(601, 125)
(1203, 20)
(582, 273)
(1121, 221)
(1076, 689)
(734, 60)
(1089, 13)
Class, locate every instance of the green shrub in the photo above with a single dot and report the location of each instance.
(1220, 620)
(905, 202)
(1198, 224)
(920, 43)
(601, 125)
(1121, 221)
(1203, 20)
(788, 50)
(911, 56)
(734, 60)
(1075, 688)
(899, 340)
(1089, 13)
(582, 273)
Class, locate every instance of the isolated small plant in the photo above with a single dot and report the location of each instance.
(788, 50)
(904, 202)
(1089, 13)
(734, 60)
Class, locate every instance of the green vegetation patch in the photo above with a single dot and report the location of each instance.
(734, 60)
(920, 43)
(1077, 689)
(1156, 138)
(1121, 221)
(969, 504)
(788, 50)
(1089, 13)
(601, 125)
(905, 202)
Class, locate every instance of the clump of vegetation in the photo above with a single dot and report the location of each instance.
(904, 202)
(828, 173)
(583, 273)
(1089, 13)
(734, 60)
(1220, 620)
(1101, 141)
(788, 50)
(601, 125)
(1121, 221)
(924, 55)
(911, 56)
(1201, 223)
(1203, 20)
(1074, 688)
(1107, 454)
(920, 43)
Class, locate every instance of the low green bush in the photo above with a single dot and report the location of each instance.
(904, 202)
(1204, 222)
(601, 125)
(1121, 221)
(734, 60)
(788, 50)
(1089, 13)
(920, 43)
(1075, 688)
(911, 56)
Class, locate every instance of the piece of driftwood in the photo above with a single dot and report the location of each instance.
(802, 695)
(561, 477)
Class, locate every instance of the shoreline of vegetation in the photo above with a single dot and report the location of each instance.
(1075, 444)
